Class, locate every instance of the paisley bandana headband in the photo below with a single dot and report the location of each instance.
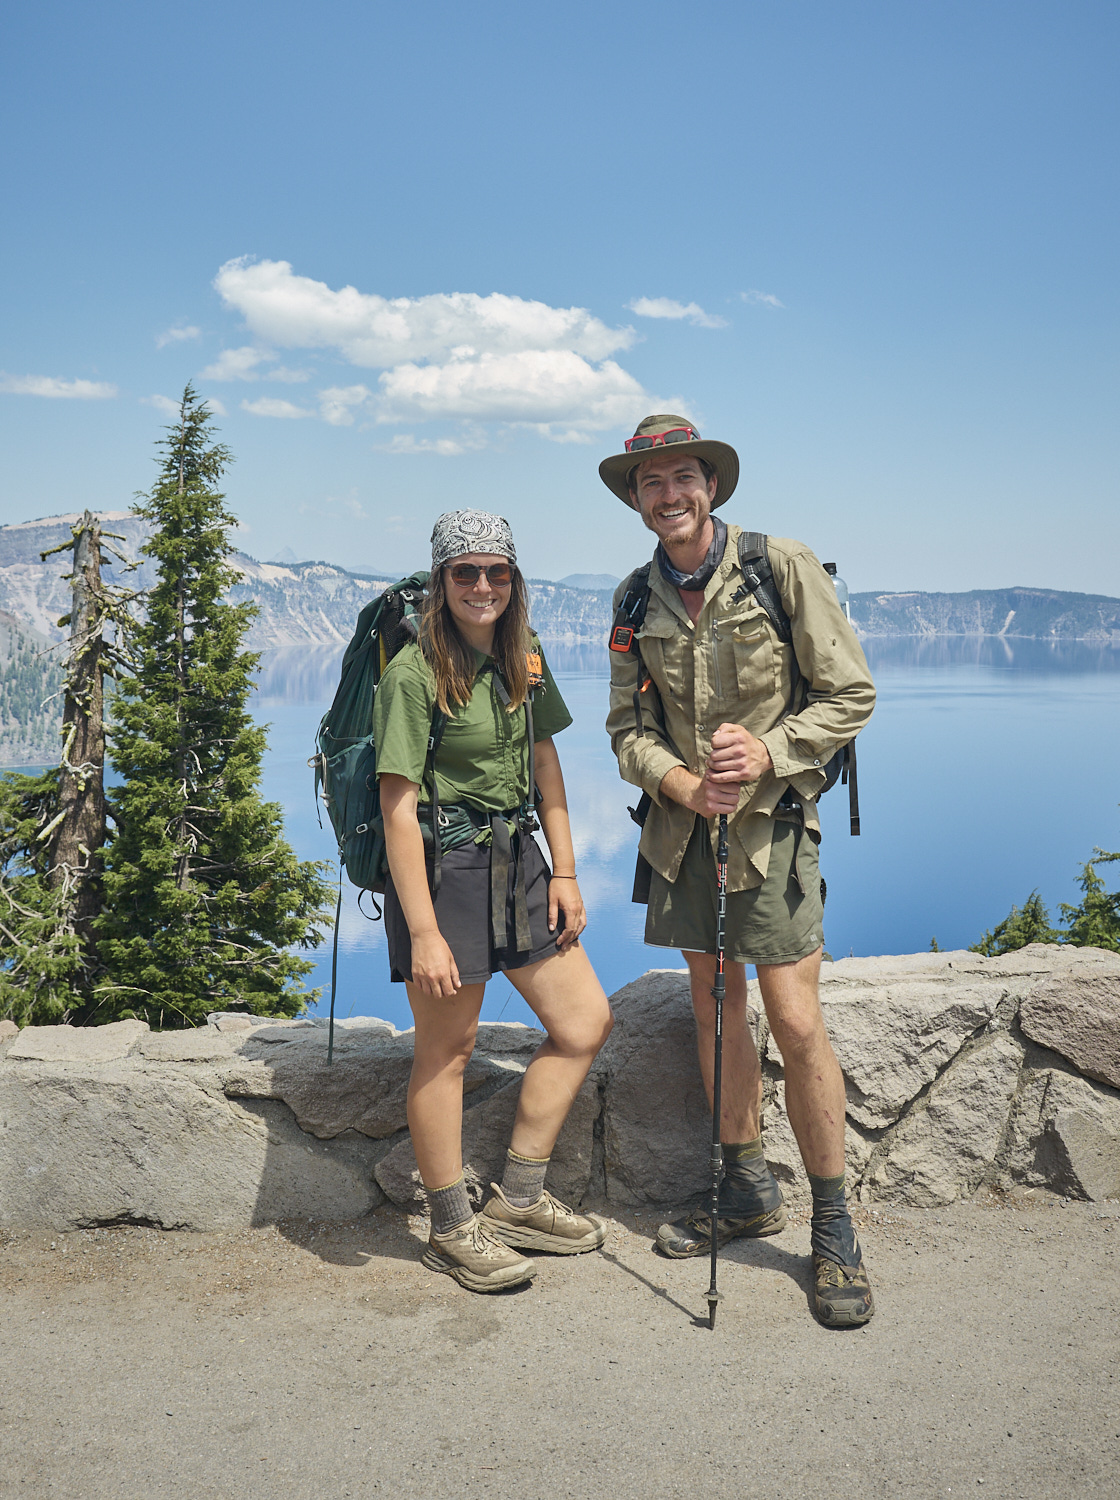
(460, 531)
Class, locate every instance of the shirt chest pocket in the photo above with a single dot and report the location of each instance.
(753, 655)
(665, 654)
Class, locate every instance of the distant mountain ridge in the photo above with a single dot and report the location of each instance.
(316, 603)
(303, 603)
(1033, 614)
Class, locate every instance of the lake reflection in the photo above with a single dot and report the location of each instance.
(971, 796)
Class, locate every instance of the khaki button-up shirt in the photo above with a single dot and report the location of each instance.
(731, 667)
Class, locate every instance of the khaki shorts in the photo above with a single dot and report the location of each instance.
(778, 922)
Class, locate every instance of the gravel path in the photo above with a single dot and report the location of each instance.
(324, 1361)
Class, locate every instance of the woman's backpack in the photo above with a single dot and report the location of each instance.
(345, 759)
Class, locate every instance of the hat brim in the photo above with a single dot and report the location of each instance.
(613, 471)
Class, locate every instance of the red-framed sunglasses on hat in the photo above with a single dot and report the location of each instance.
(657, 439)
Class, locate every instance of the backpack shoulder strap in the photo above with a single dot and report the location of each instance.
(629, 618)
(758, 579)
(630, 615)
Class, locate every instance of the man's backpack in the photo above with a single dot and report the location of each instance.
(758, 579)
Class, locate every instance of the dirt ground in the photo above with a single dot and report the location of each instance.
(321, 1361)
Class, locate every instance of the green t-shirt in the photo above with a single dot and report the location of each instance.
(483, 756)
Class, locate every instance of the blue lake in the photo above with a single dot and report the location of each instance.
(990, 769)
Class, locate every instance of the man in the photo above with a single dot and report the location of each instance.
(736, 722)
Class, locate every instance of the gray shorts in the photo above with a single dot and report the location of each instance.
(778, 922)
(462, 906)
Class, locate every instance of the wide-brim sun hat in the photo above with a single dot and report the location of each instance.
(614, 471)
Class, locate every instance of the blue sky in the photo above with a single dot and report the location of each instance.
(873, 245)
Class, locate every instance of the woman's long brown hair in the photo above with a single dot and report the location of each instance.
(452, 660)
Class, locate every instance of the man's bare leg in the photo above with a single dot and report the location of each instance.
(742, 1074)
(815, 1105)
(814, 1082)
(750, 1199)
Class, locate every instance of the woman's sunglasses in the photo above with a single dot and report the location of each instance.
(498, 575)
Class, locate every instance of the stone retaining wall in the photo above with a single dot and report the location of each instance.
(962, 1072)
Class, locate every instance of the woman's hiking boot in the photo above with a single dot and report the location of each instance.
(476, 1260)
(741, 1216)
(546, 1224)
(841, 1294)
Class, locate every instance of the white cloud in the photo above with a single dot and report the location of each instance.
(52, 386)
(444, 356)
(337, 402)
(536, 386)
(761, 299)
(270, 406)
(162, 404)
(295, 312)
(215, 406)
(245, 363)
(235, 364)
(177, 335)
(404, 442)
(665, 307)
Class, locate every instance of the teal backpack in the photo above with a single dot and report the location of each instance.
(345, 759)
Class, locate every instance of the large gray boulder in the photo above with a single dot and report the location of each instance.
(157, 1144)
(1063, 1134)
(961, 1072)
(365, 1088)
(88, 1044)
(656, 1121)
(1078, 1015)
(949, 1139)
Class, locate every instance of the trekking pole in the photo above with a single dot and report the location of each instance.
(718, 990)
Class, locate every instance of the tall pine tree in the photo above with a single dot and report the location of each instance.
(203, 897)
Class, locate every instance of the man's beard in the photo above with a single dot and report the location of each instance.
(679, 538)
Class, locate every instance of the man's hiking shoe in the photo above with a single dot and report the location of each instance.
(476, 1259)
(841, 1294)
(693, 1236)
(546, 1224)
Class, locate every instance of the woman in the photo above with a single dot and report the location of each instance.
(495, 903)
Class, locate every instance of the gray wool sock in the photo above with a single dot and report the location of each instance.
(748, 1177)
(450, 1206)
(523, 1179)
(832, 1233)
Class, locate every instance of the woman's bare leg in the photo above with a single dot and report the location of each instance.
(445, 1033)
(565, 995)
